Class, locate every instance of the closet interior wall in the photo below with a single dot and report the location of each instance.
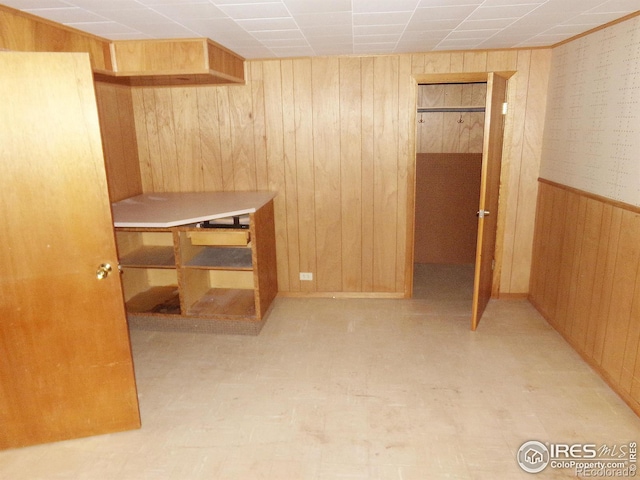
(448, 164)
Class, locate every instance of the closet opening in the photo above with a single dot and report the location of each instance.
(450, 123)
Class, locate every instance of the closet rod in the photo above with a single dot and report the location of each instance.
(451, 109)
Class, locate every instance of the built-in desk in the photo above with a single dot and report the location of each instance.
(178, 275)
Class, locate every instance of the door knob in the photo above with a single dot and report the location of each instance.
(103, 271)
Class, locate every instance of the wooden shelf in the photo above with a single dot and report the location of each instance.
(150, 256)
(223, 257)
(181, 61)
(227, 302)
(159, 300)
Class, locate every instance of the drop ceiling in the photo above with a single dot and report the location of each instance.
(288, 28)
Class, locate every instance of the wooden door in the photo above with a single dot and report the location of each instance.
(66, 369)
(489, 188)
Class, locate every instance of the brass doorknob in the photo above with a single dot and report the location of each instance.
(103, 271)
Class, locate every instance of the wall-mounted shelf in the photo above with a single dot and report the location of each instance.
(184, 61)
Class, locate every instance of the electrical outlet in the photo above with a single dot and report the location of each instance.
(308, 276)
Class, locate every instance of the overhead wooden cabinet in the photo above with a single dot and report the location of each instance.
(179, 275)
(175, 62)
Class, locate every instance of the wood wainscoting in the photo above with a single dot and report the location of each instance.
(584, 280)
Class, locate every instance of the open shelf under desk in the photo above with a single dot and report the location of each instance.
(227, 302)
(163, 300)
(150, 256)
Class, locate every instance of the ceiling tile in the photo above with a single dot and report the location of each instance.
(68, 15)
(289, 35)
(331, 40)
(256, 25)
(497, 23)
(468, 34)
(448, 3)
(256, 10)
(361, 39)
(509, 11)
(323, 19)
(458, 13)
(329, 30)
(380, 6)
(315, 6)
(104, 28)
(378, 29)
(415, 25)
(187, 11)
(270, 28)
(391, 18)
(34, 4)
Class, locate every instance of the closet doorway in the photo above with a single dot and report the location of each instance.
(450, 128)
(458, 156)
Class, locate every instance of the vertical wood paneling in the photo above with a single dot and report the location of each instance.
(385, 172)
(225, 128)
(406, 176)
(273, 107)
(305, 170)
(170, 166)
(350, 171)
(291, 174)
(586, 271)
(632, 344)
(187, 139)
(117, 126)
(242, 144)
(256, 82)
(475, 61)
(626, 270)
(437, 63)
(335, 138)
(368, 194)
(527, 93)
(599, 298)
(595, 281)
(326, 147)
(209, 134)
(569, 237)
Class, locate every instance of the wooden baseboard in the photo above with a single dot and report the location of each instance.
(512, 296)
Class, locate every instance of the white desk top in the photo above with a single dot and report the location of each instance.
(171, 209)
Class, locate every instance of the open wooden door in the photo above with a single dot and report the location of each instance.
(66, 369)
(489, 188)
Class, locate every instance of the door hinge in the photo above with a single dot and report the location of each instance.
(493, 264)
(482, 213)
(505, 106)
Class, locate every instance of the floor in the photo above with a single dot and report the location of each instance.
(349, 389)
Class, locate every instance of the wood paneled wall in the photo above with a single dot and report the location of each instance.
(449, 132)
(586, 270)
(26, 33)
(335, 137)
(117, 125)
